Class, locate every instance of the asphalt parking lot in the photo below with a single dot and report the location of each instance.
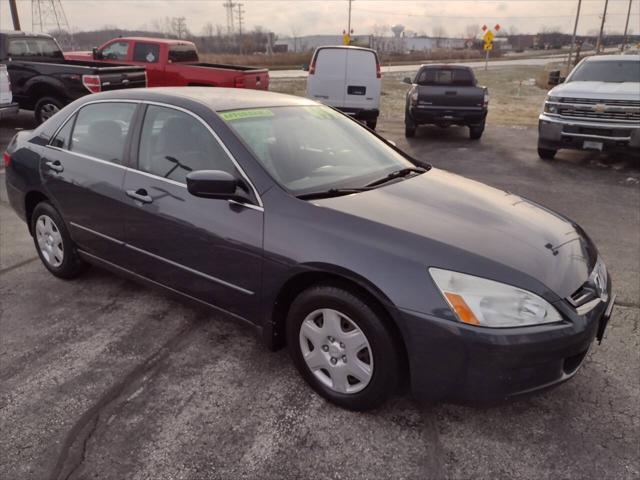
(102, 378)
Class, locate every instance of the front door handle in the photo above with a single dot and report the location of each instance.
(141, 195)
(56, 166)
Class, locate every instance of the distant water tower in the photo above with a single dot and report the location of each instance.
(397, 30)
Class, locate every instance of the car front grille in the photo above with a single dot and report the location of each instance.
(594, 109)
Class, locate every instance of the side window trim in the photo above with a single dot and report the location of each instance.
(72, 119)
(135, 146)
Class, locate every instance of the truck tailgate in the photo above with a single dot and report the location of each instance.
(451, 96)
(243, 77)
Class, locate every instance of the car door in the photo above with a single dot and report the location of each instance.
(327, 76)
(83, 172)
(147, 55)
(362, 85)
(210, 249)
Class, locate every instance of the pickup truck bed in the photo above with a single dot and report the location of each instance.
(174, 63)
(42, 80)
(445, 95)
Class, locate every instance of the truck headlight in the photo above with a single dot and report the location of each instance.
(550, 104)
(486, 303)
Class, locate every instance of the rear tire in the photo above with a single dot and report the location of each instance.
(547, 153)
(53, 243)
(372, 124)
(476, 131)
(342, 348)
(409, 128)
(46, 108)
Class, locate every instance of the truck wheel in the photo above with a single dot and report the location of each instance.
(475, 132)
(372, 124)
(46, 108)
(409, 128)
(546, 153)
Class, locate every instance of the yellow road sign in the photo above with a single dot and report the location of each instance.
(346, 39)
(488, 46)
(488, 36)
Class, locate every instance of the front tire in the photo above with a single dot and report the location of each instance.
(53, 243)
(409, 128)
(342, 348)
(46, 108)
(547, 153)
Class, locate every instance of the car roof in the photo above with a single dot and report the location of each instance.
(610, 58)
(445, 65)
(19, 33)
(218, 99)
(169, 41)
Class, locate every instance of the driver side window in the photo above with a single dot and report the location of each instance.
(116, 51)
(173, 143)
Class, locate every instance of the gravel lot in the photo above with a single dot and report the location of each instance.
(102, 378)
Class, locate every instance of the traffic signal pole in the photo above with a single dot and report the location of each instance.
(573, 38)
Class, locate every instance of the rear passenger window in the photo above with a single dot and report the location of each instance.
(446, 76)
(172, 144)
(101, 130)
(146, 52)
(63, 138)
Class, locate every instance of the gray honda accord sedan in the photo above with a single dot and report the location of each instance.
(372, 267)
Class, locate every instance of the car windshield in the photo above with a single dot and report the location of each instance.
(607, 71)
(314, 148)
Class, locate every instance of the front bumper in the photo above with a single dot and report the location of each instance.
(363, 114)
(556, 133)
(455, 362)
(8, 110)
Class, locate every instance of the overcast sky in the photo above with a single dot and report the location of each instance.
(304, 17)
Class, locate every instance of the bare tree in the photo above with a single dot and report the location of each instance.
(439, 33)
(471, 31)
(179, 27)
(208, 30)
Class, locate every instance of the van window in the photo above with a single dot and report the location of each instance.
(331, 61)
(446, 76)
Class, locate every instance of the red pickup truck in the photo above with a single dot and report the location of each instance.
(174, 63)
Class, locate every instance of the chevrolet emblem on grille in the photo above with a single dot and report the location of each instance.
(600, 107)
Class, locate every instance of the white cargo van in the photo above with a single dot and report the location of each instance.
(347, 78)
(7, 107)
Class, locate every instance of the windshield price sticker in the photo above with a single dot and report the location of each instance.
(242, 114)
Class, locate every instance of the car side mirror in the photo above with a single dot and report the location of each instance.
(407, 80)
(97, 54)
(215, 184)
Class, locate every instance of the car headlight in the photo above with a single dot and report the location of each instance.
(550, 104)
(486, 303)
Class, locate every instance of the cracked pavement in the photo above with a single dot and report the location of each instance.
(102, 378)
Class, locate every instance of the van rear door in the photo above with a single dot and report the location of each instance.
(326, 81)
(362, 86)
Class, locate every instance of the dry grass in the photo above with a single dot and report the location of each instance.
(515, 100)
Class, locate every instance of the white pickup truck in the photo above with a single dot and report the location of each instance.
(596, 108)
(7, 106)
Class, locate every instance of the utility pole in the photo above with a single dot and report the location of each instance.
(626, 29)
(573, 38)
(14, 14)
(229, 6)
(240, 13)
(604, 16)
(349, 23)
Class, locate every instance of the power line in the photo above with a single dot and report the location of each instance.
(475, 17)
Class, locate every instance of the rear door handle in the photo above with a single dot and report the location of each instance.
(141, 195)
(56, 166)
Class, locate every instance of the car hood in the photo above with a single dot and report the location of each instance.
(468, 226)
(598, 90)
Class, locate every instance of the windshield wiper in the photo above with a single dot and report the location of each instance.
(332, 192)
(404, 172)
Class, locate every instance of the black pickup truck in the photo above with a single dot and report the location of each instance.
(446, 95)
(43, 81)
